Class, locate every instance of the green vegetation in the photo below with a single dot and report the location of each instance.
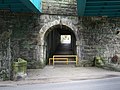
(99, 62)
(3, 74)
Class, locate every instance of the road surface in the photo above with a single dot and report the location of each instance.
(96, 84)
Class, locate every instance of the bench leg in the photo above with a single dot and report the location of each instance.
(53, 60)
(67, 61)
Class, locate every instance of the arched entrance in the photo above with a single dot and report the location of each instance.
(60, 40)
(49, 38)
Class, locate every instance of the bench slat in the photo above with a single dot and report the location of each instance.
(58, 59)
(74, 56)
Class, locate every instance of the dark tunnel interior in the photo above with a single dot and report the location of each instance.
(55, 46)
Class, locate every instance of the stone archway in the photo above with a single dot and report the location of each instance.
(41, 47)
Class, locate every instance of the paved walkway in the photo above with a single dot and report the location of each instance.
(62, 73)
(69, 72)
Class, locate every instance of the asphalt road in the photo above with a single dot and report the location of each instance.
(98, 84)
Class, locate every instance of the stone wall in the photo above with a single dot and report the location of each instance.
(24, 30)
(95, 36)
(59, 7)
(99, 37)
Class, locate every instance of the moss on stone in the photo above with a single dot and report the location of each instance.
(4, 74)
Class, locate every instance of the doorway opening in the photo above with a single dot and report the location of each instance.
(60, 40)
(65, 39)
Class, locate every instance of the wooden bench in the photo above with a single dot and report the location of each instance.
(65, 56)
(58, 59)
